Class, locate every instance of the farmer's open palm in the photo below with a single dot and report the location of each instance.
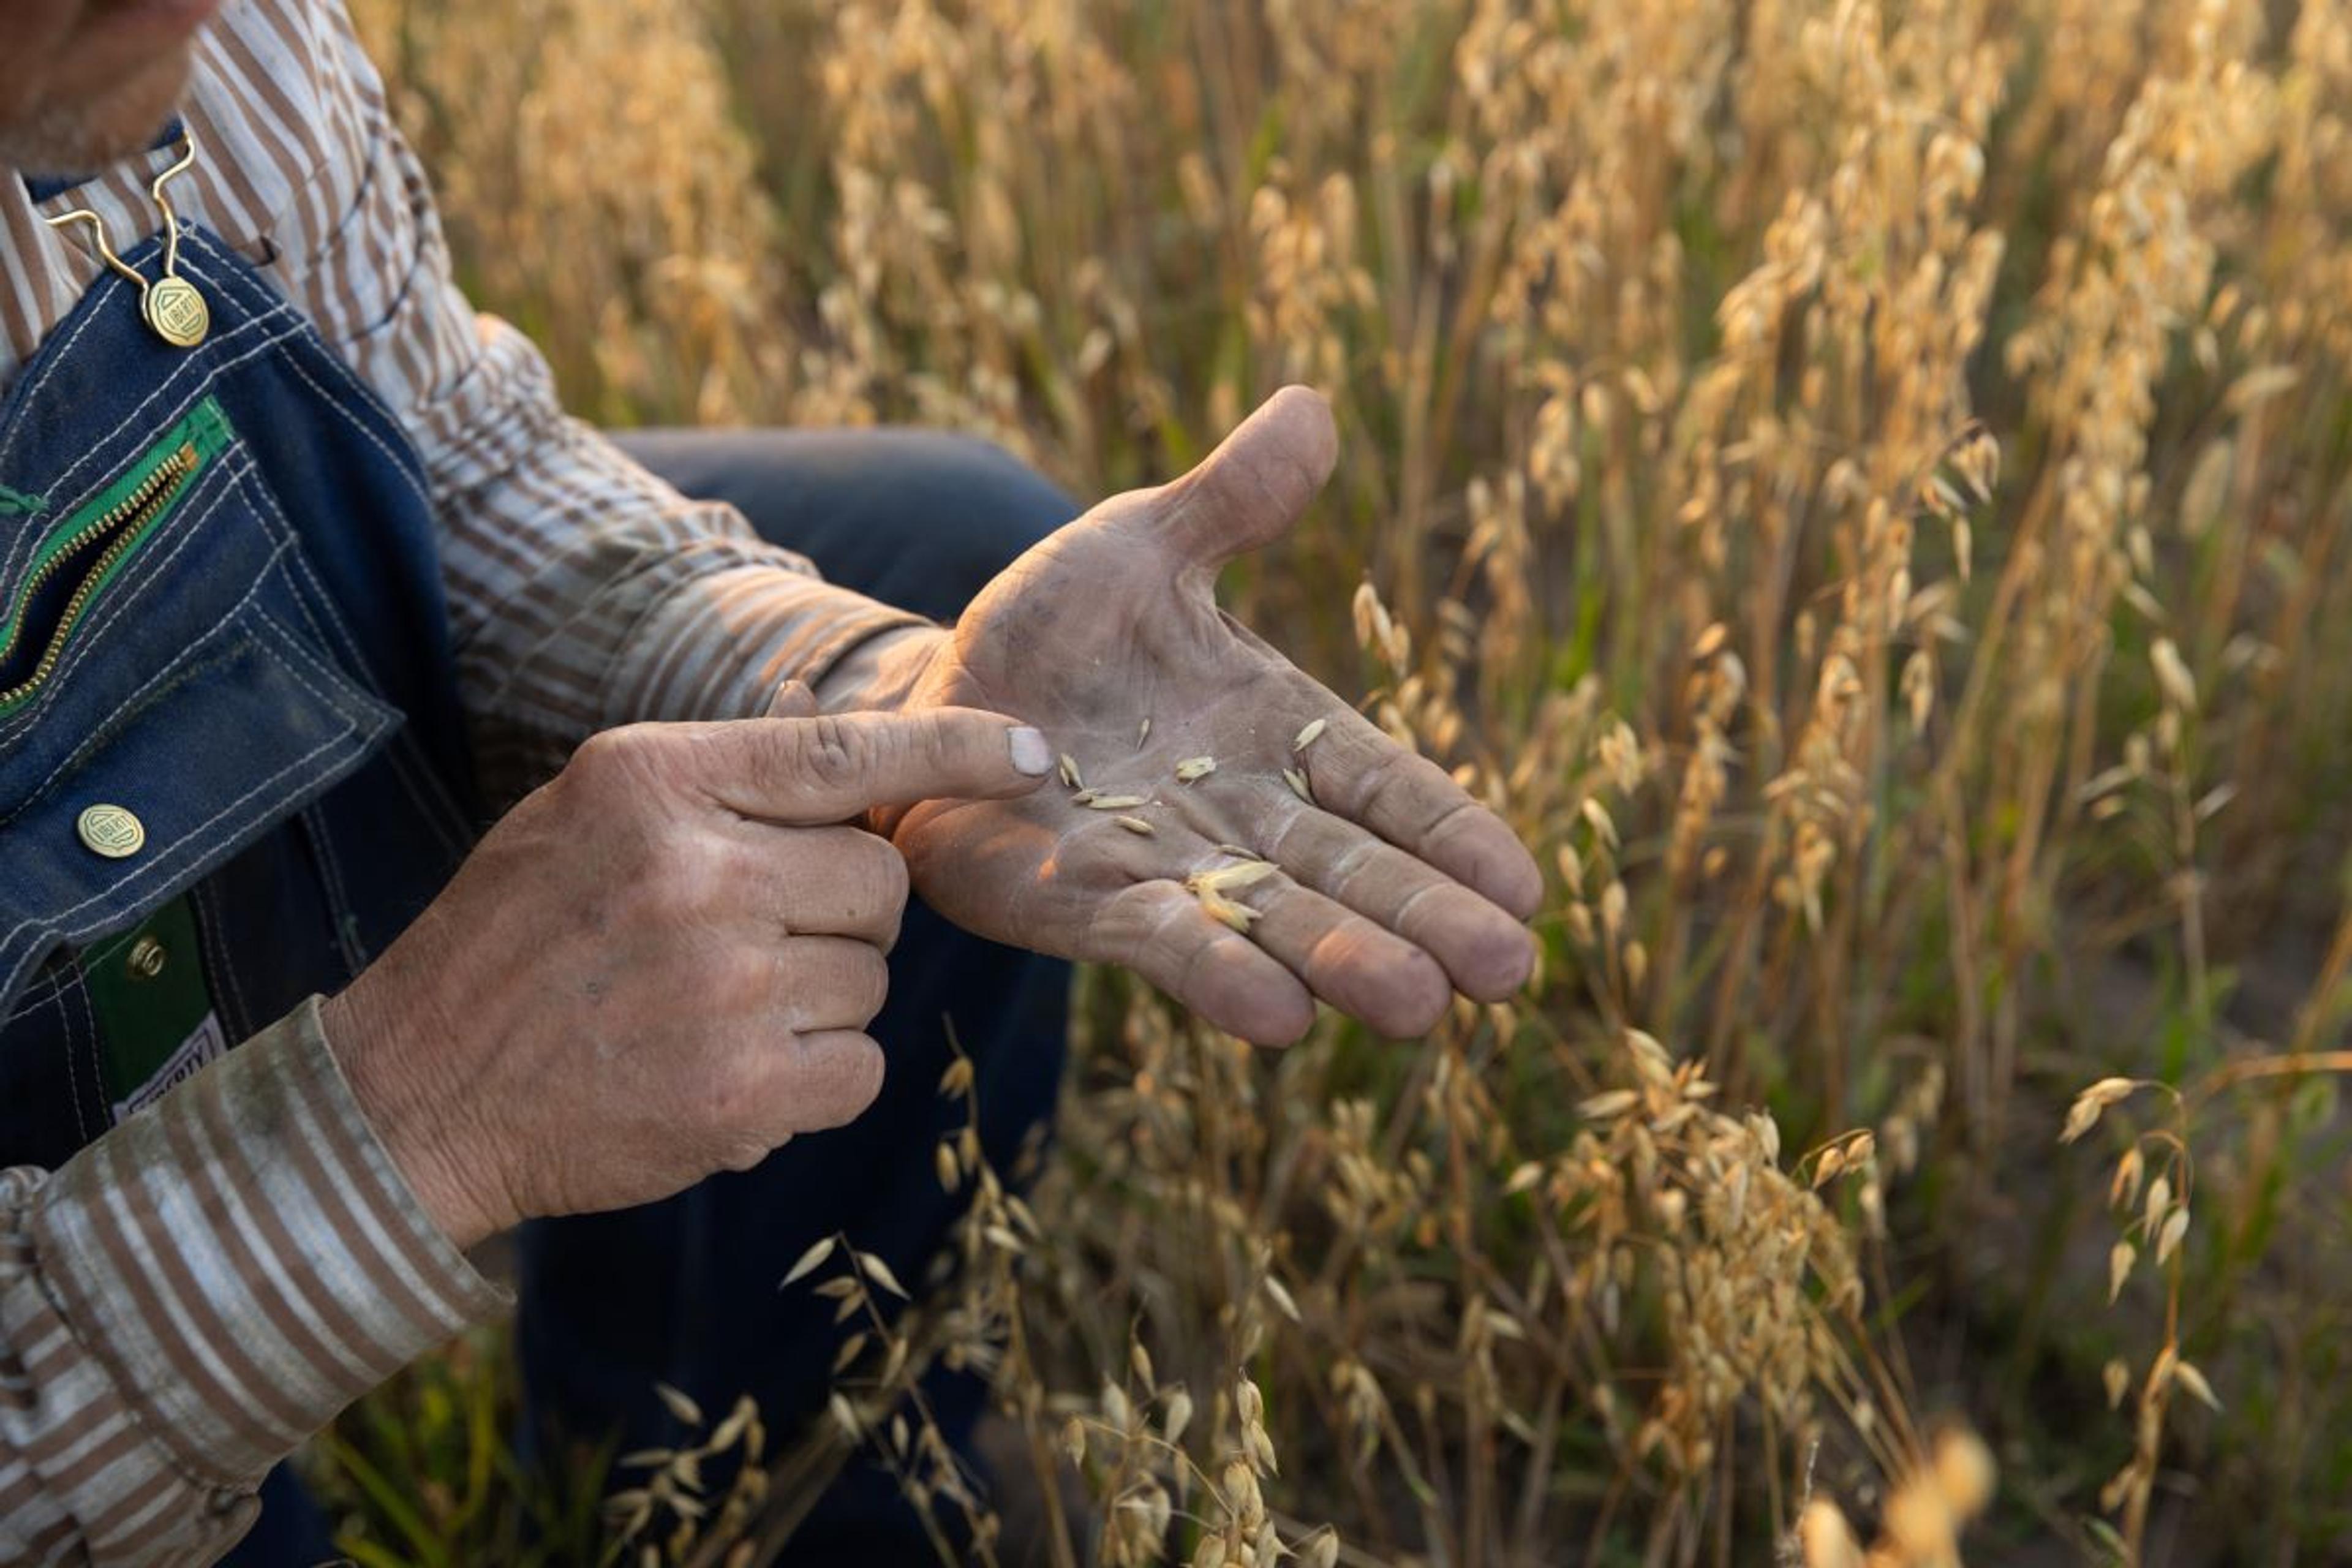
(1394, 889)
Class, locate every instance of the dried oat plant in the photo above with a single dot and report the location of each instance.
(1864, 486)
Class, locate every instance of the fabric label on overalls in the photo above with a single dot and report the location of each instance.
(156, 1024)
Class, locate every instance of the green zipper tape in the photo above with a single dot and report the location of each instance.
(203, 430)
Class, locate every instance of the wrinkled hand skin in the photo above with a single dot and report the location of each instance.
(1396, 889)
(659, 966)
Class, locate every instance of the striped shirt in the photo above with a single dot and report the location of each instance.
(186, 1299)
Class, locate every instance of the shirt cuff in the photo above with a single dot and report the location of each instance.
(719, 645)
(245, 1259)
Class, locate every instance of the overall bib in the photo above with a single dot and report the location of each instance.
(232, 765)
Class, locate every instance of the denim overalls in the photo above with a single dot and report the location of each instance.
(227, 712)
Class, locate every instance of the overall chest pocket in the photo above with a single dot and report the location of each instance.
(165, 701)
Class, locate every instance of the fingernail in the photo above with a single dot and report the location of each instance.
(794, 699)
(1030, 753)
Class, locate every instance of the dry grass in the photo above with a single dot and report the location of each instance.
(1864, 488)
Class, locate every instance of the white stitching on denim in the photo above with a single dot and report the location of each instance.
(39, 993)
(419, 782)
(360, 387)
(213, 371)
(357, 388)
(274, 520)
(80, 993)
(150, 570)
(192, 653)
(238, 277)
(96, 633)
(423, 788)
(23, 544)
(91, 312)
(271, 311)
(414, 483)
(340, 689)
(33, 1002)
(205, 369)
(438, 811)
(273, 333)
(342, 915)
(209, 904)
(330, 869)
(132, 699)
(200, 839)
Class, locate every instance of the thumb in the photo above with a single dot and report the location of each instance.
(807, 772)
(1250, 491)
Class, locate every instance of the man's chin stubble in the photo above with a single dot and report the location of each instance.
(80, 136)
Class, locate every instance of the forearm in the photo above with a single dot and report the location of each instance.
(584, 593)
(196, 1293)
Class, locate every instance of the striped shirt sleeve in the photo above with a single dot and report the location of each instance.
(194, 1294)
(584, 592)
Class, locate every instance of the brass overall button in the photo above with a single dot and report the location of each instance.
(177, 312)
(147, 958)
(112, 831)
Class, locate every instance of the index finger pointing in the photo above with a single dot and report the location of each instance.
(805, 773)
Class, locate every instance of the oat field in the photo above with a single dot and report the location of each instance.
(1866, 489)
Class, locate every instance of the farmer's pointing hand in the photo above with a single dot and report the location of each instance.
(659, 966)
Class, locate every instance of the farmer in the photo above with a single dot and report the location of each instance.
(304, 575)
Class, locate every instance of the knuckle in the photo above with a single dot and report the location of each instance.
(829, 751)
(885, 871)
(743, 1148)
(942, 738)
(612, 759)
(687, 869)
(1358, 864)
(857, 1077)
(844, 984)
(597, 754)
(739, 981)
(732, 1131)
(744, 1155)
(754, 1110)
(835, 1076)
(616, 783)
(869, 983)
(887, 928)
(851, 883)
(1379, 785)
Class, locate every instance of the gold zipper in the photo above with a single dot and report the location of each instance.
(126, 518)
